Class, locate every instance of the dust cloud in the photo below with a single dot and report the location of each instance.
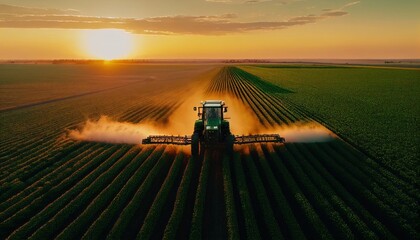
(109, 131)
(304, 132)
(180, 122)
(243, 121)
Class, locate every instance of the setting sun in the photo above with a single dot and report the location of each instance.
(108, 44)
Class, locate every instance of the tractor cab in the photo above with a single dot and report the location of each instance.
(211, 113)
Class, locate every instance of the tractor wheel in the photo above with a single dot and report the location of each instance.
(225, 130)
(229, 144)
(195, 145)
(198, 128)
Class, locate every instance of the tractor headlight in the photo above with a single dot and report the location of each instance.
(211, 128)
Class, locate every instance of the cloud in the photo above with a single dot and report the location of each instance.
(22, 17)
(219, 1)
(253, 1)
(351, 4)
(334, 14)
(35, 11)
(338, 12)
(238, 1)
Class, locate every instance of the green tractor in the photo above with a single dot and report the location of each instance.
(211, 129)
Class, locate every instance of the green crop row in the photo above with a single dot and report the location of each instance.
(197, 218)
(128, 214)
(155, 211)
(23, 167)
(304, 159)
(68, 155)
(268, 110)
(330, 216)
(181, 201)
(57, 179)
(382, 188)
(363, 216)
(106, 160)
(232, 218)
(285, 212)
(270, 222)
(371, 167)
(376, 206)
(65, 216)
(273, 105)
(76, 228)
(99, 228)
(311, 220)
(250, 221)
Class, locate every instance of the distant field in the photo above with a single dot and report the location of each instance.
(375, 108)
(52, 186)
(28, 84)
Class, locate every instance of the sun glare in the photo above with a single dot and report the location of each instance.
(108, 44)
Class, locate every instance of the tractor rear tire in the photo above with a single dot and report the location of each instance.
(195, 145)
(229, 144)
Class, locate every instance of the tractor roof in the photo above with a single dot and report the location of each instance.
(213, 103)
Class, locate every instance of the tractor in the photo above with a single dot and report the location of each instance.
(212, 130)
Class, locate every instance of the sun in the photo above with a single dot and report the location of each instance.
(108, 44)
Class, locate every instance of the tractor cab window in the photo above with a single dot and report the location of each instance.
(213, 112)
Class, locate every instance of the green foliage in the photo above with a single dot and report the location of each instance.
(261, 196)
(76, 228)
(232, 218)
(180, 201)
(155, 210)
(375, 108)
(200, 198)
(128, 214)
(101, 225)
(34, 209)
(286, 214)
(250, 221)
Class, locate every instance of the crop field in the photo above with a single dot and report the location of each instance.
(55, 186)
(375, 108)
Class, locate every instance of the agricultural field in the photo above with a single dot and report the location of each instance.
(375, 108)
(55, 186)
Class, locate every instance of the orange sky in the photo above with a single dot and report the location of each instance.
(49, 29)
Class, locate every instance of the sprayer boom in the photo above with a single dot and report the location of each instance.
(258, 138)
(167, 139)
(239, 139)
(211, 129)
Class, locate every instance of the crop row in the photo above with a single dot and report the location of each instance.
(156, 214)
(38, 213)
(268, 109)
(43, 185)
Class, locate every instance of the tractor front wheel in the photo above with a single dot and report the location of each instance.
(195, 145)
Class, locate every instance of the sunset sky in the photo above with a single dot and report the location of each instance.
(168, 29)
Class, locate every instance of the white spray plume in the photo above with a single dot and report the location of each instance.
(107, 130)
(181, 121)
(303, 132)
(244, 121)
